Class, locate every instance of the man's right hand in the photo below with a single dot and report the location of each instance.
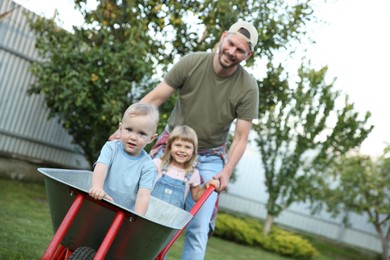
(114, 136)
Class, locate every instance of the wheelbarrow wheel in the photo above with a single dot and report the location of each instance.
(83, 253)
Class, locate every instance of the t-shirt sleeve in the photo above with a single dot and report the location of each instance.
(195, 178)
(157, 163)
(148, 175)
(249, 106)
(178, 74)
(106, 154)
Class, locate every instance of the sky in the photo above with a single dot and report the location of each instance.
(356, 47)
(354, 44)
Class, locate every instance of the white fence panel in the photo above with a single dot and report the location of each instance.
(247, 195)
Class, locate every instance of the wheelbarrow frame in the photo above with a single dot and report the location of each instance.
(56, 250)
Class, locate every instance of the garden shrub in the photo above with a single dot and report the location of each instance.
(248, 231)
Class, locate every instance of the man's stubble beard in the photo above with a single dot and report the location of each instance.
(220, 53)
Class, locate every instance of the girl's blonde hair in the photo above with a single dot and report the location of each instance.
(184, 133)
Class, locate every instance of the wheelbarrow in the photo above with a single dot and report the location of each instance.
(86, 228)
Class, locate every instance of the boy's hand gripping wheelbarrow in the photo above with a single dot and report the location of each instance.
(86, 228)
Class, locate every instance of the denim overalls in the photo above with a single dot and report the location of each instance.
(171, 190)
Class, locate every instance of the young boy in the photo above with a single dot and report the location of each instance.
(124, 172)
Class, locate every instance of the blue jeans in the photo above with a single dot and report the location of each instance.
(198, 228)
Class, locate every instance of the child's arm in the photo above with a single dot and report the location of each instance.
(98, 178)
(198, 191)
(142, 201)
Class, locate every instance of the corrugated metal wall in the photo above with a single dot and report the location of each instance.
(248, 195)
(24, 128)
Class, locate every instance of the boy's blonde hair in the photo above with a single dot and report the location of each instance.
(143, 109)
(184, 133)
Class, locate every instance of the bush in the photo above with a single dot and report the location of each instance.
(248, 231)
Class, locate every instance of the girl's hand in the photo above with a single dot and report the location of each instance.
(214, 182)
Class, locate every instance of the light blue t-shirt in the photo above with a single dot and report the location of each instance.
(126, 174)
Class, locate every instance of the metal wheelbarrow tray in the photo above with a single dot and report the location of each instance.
(111, 230)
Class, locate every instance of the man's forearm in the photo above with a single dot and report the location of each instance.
(236, 152)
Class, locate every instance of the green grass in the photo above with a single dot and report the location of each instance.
(332, 250)
(25, 231)
(25, 224)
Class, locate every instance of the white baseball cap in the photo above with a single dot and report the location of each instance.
(247, 31)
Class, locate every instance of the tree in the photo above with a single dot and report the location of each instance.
(300, 132)
(362, 186)
(90, 76)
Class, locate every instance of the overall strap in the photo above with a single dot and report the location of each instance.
(164, 169)
(188, 176)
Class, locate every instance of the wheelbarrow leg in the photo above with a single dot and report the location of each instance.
(60, 253)
(193, 211)
(110, 236)
(63, 228)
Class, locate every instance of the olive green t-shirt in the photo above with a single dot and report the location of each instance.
(207, 102)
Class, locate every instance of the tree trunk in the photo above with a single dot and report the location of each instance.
(385, 247)
(384, 239)
(268, 224)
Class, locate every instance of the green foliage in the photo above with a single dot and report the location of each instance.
(247, 231)
(288, 244)
(90, 76)
(301, 131)
(88, 81)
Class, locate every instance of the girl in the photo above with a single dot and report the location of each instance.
(176, 172)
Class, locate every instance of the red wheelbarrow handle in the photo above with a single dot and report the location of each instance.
(193, 211)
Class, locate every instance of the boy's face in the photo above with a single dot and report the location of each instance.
(135, 133)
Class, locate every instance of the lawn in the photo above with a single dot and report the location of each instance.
(25, 231)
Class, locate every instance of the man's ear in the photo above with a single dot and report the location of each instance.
(249, 55)
(223, 35)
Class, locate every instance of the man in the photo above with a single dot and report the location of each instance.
(213, 91)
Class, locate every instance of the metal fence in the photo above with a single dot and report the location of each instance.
(25, 130)
(248, 196)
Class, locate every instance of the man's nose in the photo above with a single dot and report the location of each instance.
(231, 52)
